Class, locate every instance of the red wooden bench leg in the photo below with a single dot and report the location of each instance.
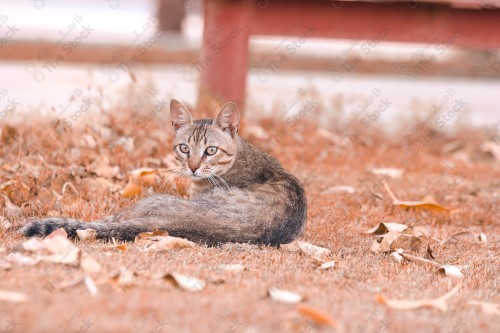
(223, 61)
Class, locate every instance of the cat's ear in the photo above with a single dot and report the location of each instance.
(180, 115)
(228, 119)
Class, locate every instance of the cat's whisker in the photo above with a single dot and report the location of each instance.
(221, 180)
(212, 180)
(172, 177)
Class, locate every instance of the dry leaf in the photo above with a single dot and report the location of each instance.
(70, 257)
(139, 178)
(385, 244)
(86, 235)
(338, 189)
(467, 236)
(397, 257)
(493, 148)
(409, 243)
(119, 246)
(131, 190)
(232, 267)
(438, 303)
(12, 296)
(389, 172)
(160, 243)
(488, 308)
(61, 250)
(313, 250)
(124, 278)
(102, 168)
(385, 227)
(317, 316)
(91, 287)
(427, 203)
(58, 233)
(185, 282)
(16, 258)
(89, 264)
(417, 230)
(450, 270)
(148, 235)
(327, 265)
(284, 296)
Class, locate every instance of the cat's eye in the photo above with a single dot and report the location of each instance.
(184, 148)
(211, 151)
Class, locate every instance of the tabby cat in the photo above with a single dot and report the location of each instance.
(240, 194)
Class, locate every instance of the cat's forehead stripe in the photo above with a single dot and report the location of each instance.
(200, 129)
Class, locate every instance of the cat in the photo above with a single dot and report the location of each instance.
(240, 194)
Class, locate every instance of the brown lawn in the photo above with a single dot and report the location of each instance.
(57, 170)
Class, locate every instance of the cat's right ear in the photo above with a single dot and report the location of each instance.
(180, 115)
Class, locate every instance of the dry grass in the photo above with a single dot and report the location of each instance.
(54, 172)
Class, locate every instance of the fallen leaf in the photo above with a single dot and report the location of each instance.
(119, 246)
(388, 172)
(17, 258)
(232, 267)
(131, 190)
(488, 308)
(124, 278)
(450, 270)
(315, 315)
(385, 227)
(284, 296)
(58, 233)
(185, 282)
(57, 245)
(86, 235)
(102, 168)
(409, 243)
(71, 257)
(148, 235)
(138, 179)
(438, 303)
(493, 148)
(338, 189)
(12, 296)
(397, 257)
(427, 203)
(91, 287)
(417, 230)
(385, 244)
(161, 243)
(313, 250)
(89, 264)
(467, 236)
(327, 265)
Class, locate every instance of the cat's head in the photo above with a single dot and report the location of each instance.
(208, 146)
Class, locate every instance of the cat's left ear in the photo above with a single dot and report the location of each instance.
(228, 119)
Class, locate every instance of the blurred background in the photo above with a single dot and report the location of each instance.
(53, 51)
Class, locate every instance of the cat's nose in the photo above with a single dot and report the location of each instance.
(193, 166)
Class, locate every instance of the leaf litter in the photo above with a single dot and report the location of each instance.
(438, 303)
(427, 203)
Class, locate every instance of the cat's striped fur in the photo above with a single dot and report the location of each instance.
(241, 194)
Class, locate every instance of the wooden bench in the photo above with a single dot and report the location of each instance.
(223, 62)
